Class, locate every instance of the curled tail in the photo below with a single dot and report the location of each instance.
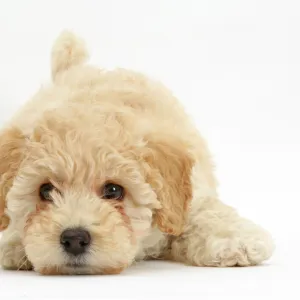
(68, 50)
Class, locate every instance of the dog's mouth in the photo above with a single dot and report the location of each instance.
(76, 265)
(75, 268)
(66, 269)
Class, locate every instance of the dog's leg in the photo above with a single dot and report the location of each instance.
(217, 236)
(12, 253)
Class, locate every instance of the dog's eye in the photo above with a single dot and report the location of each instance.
(45, 191)
(113, 191)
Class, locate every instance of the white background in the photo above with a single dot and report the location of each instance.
(235, 64)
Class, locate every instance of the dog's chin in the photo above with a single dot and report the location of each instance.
(78, 269)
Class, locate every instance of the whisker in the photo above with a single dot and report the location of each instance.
(24, 262)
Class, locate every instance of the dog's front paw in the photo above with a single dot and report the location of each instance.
(238, 250)
(13, 257)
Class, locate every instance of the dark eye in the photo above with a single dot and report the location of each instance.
(45, 191)
(113, 191)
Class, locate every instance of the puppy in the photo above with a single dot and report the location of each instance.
(104, 168)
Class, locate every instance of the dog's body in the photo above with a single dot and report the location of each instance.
(90, 127)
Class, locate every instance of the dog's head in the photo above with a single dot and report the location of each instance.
(82, 192)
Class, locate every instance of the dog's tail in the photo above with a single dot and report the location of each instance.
(68, 50)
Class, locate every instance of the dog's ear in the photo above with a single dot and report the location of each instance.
(11, 154)
(68, 50)
(169, 167)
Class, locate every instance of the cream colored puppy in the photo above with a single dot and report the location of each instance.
(104, 168)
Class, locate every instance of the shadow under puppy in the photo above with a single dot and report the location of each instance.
(104, 168)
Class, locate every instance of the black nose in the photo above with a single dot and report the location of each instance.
(75, 241)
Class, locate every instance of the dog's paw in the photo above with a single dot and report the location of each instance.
(238, 250)
(13, 257)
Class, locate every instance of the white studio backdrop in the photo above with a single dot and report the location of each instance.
(234, 64)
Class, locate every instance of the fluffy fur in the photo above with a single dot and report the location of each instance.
(91, 126)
